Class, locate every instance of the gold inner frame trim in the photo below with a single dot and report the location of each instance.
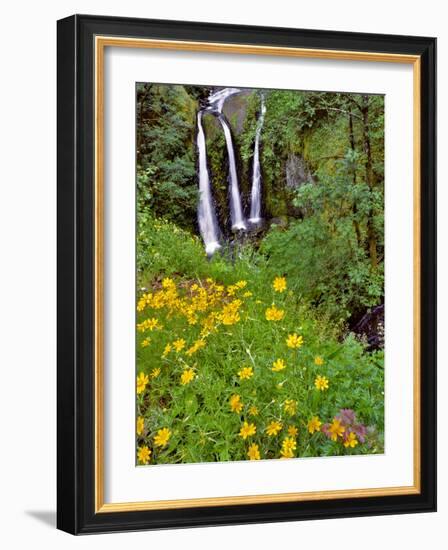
(101, 42)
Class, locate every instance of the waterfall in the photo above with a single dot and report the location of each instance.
(236, 210)
(207, 220)
(255, 197)
(216, 102)
(208, 225)
(217, 99)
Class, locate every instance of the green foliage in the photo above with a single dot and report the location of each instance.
(164, 249)
(198, 414)
(324, 254)
(166, 175)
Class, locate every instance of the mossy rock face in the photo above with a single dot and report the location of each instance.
(297, 171)
(212, 127)
(281, 221)
(217, 161)
(235, 110)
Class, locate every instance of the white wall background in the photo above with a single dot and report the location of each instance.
(27, 271)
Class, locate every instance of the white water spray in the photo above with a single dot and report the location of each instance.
(255, 198)
(217, 99)
(236, 210)
(208, 225)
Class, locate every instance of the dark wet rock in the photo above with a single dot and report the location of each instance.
(297, 171)
(370, 328)
(279, 221)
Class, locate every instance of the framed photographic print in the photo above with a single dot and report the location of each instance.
(246, 267)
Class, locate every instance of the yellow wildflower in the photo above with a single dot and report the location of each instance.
(143, 454)
(292, 431)
(140, 425)
(155, 372)
(294, 341)
(290, 406)
(289, 445)
(279, 284)
(253, 410)
(209, 323)
(187, 376)
(246, 373)
(247, 430)
(231, 290)
(274, 314)
(142, 381)
(149, 324)
(145, 343)
(148, 298)
(167, 350)
(273, 427)
(179, 344)
(247, 294)
(158, 300)
(336, 429)
(168, 283)
(230, 315)
(254, 452)
(321, 383)
(162, 437)
(319, 361)
(235, 404)
(141, 304)
(152, 323)
(278, 365)
(199, 302)
(191, 317)
(351, 440)
(141, 326)
(197, 345)
(314, 425)
(241, 284)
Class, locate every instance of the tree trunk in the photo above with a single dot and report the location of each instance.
(355, 208)
(370, 178)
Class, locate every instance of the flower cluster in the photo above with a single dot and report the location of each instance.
(346, 429)
(206, 375)
(321, 382)
(161, 440)
(273, 313)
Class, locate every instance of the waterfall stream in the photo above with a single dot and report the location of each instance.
(255, 197)
(217, 99)
(236, 210)
(208, 225)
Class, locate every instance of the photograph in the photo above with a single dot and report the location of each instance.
(228, 218)
(259, 274)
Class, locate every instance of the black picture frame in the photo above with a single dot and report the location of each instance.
(76, 273)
